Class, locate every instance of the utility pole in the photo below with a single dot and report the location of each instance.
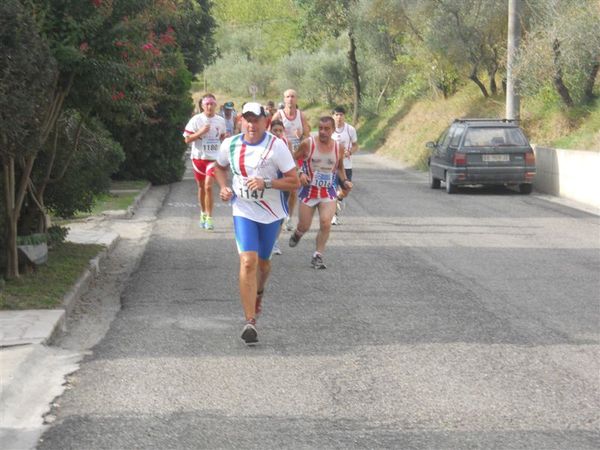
(513, 104)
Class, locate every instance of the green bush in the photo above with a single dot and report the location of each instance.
(88, 174)
(154, 146)
(32, 239)
(57, 235)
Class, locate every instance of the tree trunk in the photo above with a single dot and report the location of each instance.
(492, 74)
(355, 74)
(588, 90)
(12, 261)
(14, 196)
(473, 77)
(380, 97)
(559, 84)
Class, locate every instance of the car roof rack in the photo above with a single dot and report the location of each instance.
(491, 119)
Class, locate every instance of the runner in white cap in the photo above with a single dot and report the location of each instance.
(262, 169)
(205, 131)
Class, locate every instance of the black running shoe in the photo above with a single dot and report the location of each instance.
(294, 239)
(249, 333)
(317, 262)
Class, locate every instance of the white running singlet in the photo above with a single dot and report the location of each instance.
(270, 158)
(345, 136)
(206, 147)
(290, 126)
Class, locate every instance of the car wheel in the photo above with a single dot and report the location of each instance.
(525, 188)
(434, 183)
(450, 187)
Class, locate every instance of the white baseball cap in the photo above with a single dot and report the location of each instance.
(254, 108)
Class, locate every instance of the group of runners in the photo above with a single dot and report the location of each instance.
(274, 163)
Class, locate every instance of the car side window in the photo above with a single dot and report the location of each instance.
(438, 143)
(458, 132)
(445, 139)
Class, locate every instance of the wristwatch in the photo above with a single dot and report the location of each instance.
(268, 183)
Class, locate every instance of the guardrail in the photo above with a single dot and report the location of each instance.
(572, 174)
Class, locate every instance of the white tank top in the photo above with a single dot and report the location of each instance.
(290, 126)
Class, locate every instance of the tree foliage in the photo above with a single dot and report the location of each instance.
(562, 50)
(27, 79)
(119, 69)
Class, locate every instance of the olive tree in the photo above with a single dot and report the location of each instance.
(562, 49)
(472, 35)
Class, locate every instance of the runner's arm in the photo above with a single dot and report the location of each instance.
(305, 125)
(345, 184)
(302, 150)
(225, 192)
(288, 182)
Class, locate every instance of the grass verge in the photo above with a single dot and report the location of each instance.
(46, 287)
(121, 196)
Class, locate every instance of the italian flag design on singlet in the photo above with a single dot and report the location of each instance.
(241, 170)
(311, 191)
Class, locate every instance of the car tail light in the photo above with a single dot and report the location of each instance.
(530, 158)
(460, 159)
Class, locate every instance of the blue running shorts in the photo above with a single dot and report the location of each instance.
(251, 236)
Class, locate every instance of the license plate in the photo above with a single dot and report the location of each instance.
(495, 158)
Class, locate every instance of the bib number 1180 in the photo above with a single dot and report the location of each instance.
(250, 194)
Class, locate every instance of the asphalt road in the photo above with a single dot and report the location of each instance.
(442, 321)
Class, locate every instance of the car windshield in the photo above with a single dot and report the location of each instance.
(490, 137)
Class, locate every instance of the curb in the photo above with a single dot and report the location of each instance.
(80, 287)
(131, 209)
(89, 274)
(137, 200)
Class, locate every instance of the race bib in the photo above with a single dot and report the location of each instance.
(241, 190)
(210, 145)
(323, 179)
(295, 143)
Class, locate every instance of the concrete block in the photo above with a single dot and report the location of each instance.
(571, 174)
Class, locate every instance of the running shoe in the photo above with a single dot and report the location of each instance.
(276, 249)
(258, 307)
(202, 223)
(288, 225)
(249, 333)
(209, 223)
(335, 220)
(294, 239)
(317, 262)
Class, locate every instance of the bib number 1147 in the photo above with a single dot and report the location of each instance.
(250, 194)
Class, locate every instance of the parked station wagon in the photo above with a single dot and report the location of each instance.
(482, 152)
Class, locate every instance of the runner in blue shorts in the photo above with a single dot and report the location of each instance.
(262, 170)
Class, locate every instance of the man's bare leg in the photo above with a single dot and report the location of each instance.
(208, 201)
(326, 212)
(248, 283)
